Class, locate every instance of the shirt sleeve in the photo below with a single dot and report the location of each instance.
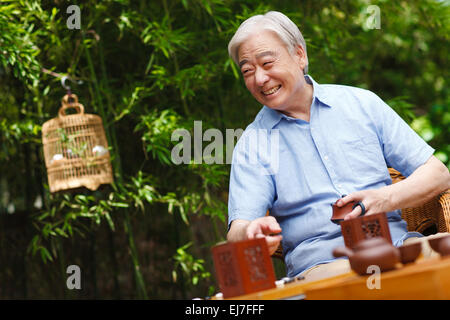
(251, 190)
(403, 149)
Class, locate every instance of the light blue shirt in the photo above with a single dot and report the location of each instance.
(351, 139)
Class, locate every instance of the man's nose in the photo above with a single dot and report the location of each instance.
(261, 77)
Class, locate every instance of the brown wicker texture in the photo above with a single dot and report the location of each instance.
(75, 149)
(435, 212)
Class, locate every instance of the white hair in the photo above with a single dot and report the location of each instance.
(273, 21)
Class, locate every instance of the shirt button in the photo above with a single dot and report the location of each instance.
(339, 185)
(325, 157)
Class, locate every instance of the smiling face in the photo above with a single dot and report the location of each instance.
(272, 75)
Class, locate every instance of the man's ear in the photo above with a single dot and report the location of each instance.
(301, 56)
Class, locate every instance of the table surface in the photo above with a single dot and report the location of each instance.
(424, 279)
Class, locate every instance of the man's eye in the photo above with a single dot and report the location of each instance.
(267, 63)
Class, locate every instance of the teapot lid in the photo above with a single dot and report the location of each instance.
(370, 242)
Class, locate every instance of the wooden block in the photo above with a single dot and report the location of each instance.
(243, 267)
(365, 227)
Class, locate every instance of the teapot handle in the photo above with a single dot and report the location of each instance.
(342, 252)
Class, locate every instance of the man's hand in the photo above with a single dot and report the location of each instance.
(265, 227)
(374, 201)
(425, 183)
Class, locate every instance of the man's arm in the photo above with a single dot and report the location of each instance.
(266, 227)
(425, 183)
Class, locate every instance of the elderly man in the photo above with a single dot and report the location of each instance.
(332, 140)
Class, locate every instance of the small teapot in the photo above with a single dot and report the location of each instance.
(373, 251)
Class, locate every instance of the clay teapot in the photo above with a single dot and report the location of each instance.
(373, 251)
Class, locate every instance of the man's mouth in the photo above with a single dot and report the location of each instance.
(271, 90)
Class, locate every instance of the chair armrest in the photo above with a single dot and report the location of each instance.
(444, 212)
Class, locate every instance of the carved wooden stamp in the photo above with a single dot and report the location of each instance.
(365, 227)
(243, 267)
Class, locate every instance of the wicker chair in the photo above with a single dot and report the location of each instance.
(435, 213)
(432, 217)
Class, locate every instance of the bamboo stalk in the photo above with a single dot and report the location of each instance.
(175, 61)
(115, 269)
(62, 263)
(142, 292)
(117, 160)
(140, 283)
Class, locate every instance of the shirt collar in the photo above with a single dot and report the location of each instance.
(270, 117)
(319, 91)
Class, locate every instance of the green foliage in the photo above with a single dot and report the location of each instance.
(157, 132)
(149, 68)
(192, 268)
(18, 52)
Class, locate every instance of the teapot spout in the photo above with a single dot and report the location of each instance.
(342, 252)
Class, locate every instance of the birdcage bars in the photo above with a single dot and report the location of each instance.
(75, 149)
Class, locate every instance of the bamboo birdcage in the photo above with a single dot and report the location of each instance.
(75, 149)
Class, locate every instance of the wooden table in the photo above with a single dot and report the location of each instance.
(424, 279)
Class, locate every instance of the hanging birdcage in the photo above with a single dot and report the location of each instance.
(75, 149)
